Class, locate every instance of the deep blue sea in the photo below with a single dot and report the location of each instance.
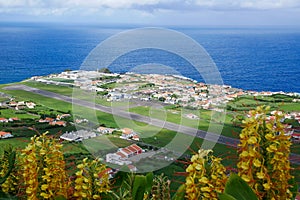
(251, 58)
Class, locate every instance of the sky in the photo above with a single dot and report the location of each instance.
(154, 12)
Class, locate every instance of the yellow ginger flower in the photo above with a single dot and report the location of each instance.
(44, 169)
(92, 180)
(206, 176)
(264, 156)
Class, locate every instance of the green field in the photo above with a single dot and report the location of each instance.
(64, 90)
(38, 99)
(18, 143)
(290, 107)
(177, 116)
(8, 113)
(276, 102)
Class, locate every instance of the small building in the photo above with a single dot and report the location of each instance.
(191, 116)
(79, 121)
(13, 119)
(30, 105)
(127, 133)
(58, 123)
(136, 138)
(13, 104)
(4, 135)
(3, 120)
(105, 130)
(296, 137)
(77, 136)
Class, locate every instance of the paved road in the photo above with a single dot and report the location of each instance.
(212, 137)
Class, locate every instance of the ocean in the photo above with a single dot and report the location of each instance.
(250, 58)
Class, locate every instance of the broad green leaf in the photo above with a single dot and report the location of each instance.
(60, 198)
(149, 182)
(225, 196)
(180, 193)
(239, 189)
(139, 187)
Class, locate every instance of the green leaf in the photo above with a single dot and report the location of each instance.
(11, 154)
(239, 189)
(139, 187)
(4, 196)
(180, 193)
(294, 188)
(149, 182)
(60, 198)
(225, 196)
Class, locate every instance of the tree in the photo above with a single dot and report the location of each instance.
(162, 99)
(105, 70)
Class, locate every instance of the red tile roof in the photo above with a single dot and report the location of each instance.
(2, 133)
(121, 154)
(136, 147)
(132, 149)
(127, 131)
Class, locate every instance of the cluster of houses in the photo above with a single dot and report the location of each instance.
(11, 119)
(87, 80)
(57, 121)
(3, 134)
(80, 121)
(21, 105)
(294, 133)
(126, 134)
(171, 89)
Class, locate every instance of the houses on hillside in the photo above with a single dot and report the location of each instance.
(11, 119)
(53, 122)
(21, 105)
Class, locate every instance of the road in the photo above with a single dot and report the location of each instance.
(212, 137)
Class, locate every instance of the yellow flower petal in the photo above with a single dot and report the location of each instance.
(257, 163)
(252, 140)
(266, 186)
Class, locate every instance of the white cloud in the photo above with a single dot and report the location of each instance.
(159, 4)
(159, 10)
(248, 4)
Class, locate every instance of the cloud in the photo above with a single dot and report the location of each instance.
(159, 10)
(153, 4)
